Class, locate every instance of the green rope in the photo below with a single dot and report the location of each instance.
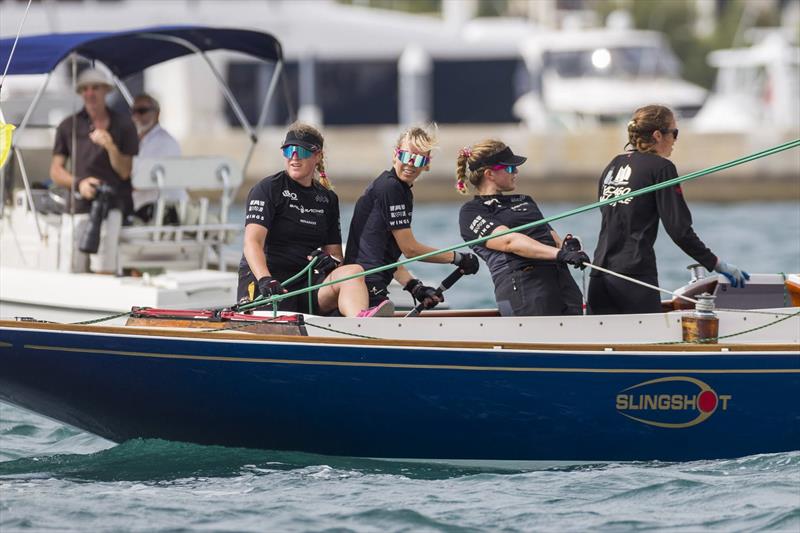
(103, 319)
(785, 290)
(310, 283)
(261, 301)
(341, 332)
(663, 185)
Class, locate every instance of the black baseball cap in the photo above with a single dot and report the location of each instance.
(306, 139)
(503, 157)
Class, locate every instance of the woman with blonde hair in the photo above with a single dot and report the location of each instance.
(380, 230)
(291, 217)
(629, 227)
(528, 267)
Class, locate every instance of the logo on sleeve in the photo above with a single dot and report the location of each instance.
(480, 226)
(255, 210)
(398, 215)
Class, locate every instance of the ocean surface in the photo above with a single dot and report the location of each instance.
(53, 477)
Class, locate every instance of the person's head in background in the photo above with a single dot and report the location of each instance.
(145, 112)
(93, 86)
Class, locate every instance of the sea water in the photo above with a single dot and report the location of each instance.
(53, 477)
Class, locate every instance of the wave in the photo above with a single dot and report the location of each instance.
(156, 460)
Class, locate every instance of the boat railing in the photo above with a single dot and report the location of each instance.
(198, 192)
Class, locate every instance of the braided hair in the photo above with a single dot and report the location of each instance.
(472, 154)
(303, 128)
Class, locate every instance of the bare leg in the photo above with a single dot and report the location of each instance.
(349, 296)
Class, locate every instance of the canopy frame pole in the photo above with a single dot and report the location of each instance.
(262, 116)
(123, 89)
(28, 192)
(34, 104)
(23, 123)
(237, 110)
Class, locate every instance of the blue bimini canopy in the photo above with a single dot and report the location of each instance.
(131, 51)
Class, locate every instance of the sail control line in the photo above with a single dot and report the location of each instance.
(642, 283)
(658, 186)
(6, 130)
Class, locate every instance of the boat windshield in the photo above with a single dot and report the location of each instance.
(619, 62)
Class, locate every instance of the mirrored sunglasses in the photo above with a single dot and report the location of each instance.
(302, 153)
(415, 160)
(510, 169)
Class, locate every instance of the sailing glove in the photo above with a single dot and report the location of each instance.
(736, 276)
(573, 257)
(325, 264)
(571, 244)
(269, 287)
(467, 263)
(427, 296)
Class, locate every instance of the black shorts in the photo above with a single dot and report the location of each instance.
(546, 290)
(610, 295)
(378, 291)
(247, 291)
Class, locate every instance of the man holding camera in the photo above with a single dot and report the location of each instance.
(105, 143)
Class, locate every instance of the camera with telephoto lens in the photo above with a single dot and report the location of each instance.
(90, 240)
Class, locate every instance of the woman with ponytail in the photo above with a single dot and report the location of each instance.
(629, 227)
(290, 218)
(529, 267)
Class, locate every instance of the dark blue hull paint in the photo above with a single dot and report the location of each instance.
(364, 401)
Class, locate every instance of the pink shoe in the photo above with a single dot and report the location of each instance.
(385, 308)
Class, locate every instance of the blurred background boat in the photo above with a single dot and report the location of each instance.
(552, 78)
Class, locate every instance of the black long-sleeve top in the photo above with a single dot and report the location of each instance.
(630, 227)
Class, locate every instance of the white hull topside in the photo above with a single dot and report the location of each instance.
(592, 329)
(60, 296)
(66, 297)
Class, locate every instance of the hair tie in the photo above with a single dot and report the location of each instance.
(466, 152)
(322, 174)
(461, 186)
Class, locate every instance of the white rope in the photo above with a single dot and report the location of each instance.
(642, 283)
(14, 46)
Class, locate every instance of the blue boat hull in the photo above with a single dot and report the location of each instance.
(408, 402)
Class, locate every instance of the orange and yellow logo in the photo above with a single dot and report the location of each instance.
(672, 402)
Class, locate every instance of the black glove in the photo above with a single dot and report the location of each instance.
(269, 287)
(467, 263)
(427, 296)
(571, 244)
(574, 258)
(325, 263)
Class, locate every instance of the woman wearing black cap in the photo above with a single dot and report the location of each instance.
(290, 217)
(528, 268)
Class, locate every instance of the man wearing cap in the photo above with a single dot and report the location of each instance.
(105, 143)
